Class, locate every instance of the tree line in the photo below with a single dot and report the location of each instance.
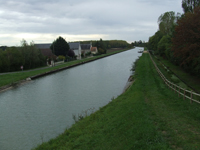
(178, 37)
(29, 56)
(26, 55)
(108, 44)
(140, 43)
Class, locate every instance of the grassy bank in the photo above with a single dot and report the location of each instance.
(147, 116)
(9, 79)
(189, 79)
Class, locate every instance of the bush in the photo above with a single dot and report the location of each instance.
(71, 53)
(67, 58)
(97, 54)
(134, 65)
(88, 54)
(61, 57)
(101, 51)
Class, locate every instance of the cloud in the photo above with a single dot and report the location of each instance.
(44, 21)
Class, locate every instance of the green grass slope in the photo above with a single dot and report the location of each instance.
(147, 116)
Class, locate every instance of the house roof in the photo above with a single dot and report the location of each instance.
(43, 46)
(74, 45)
(93, 48)
(85, 46)
(45, 50)
(48, 53)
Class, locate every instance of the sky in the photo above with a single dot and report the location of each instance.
(43, 21)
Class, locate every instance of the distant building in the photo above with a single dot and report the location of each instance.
(45, 50)
(85, 48)
(43, 46)
(94, 50)
(76, 47)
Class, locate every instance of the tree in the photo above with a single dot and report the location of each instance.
(60, 47)
(167, 21)
(101, 45)
(164, 46)
(101, 51)
(26, 54)
(189, 5)
(154, 40)
(30, 56)
(140, 43)
(161, 41)
(71, 53)
(186, 43)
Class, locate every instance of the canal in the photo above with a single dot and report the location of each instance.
(43, 108)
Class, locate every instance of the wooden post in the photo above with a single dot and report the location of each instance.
(184, 94)
(191, 98)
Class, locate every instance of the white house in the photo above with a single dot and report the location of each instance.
(76, 47)
(85, 48)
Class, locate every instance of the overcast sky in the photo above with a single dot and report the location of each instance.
(42, 21)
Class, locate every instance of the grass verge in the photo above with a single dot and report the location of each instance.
(147, 116)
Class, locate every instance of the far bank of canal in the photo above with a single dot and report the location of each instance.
(11, 79)
(42, 109)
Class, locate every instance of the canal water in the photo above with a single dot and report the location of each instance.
(43, 108)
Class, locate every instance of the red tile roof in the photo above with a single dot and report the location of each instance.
(93, 48)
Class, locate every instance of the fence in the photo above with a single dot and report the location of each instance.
(181, 91)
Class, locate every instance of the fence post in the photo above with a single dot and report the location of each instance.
(184, 94)
(191, 98)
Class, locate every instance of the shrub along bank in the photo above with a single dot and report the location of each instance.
(147, 116)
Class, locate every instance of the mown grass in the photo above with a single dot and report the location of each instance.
(147, 116)
(8, 79)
